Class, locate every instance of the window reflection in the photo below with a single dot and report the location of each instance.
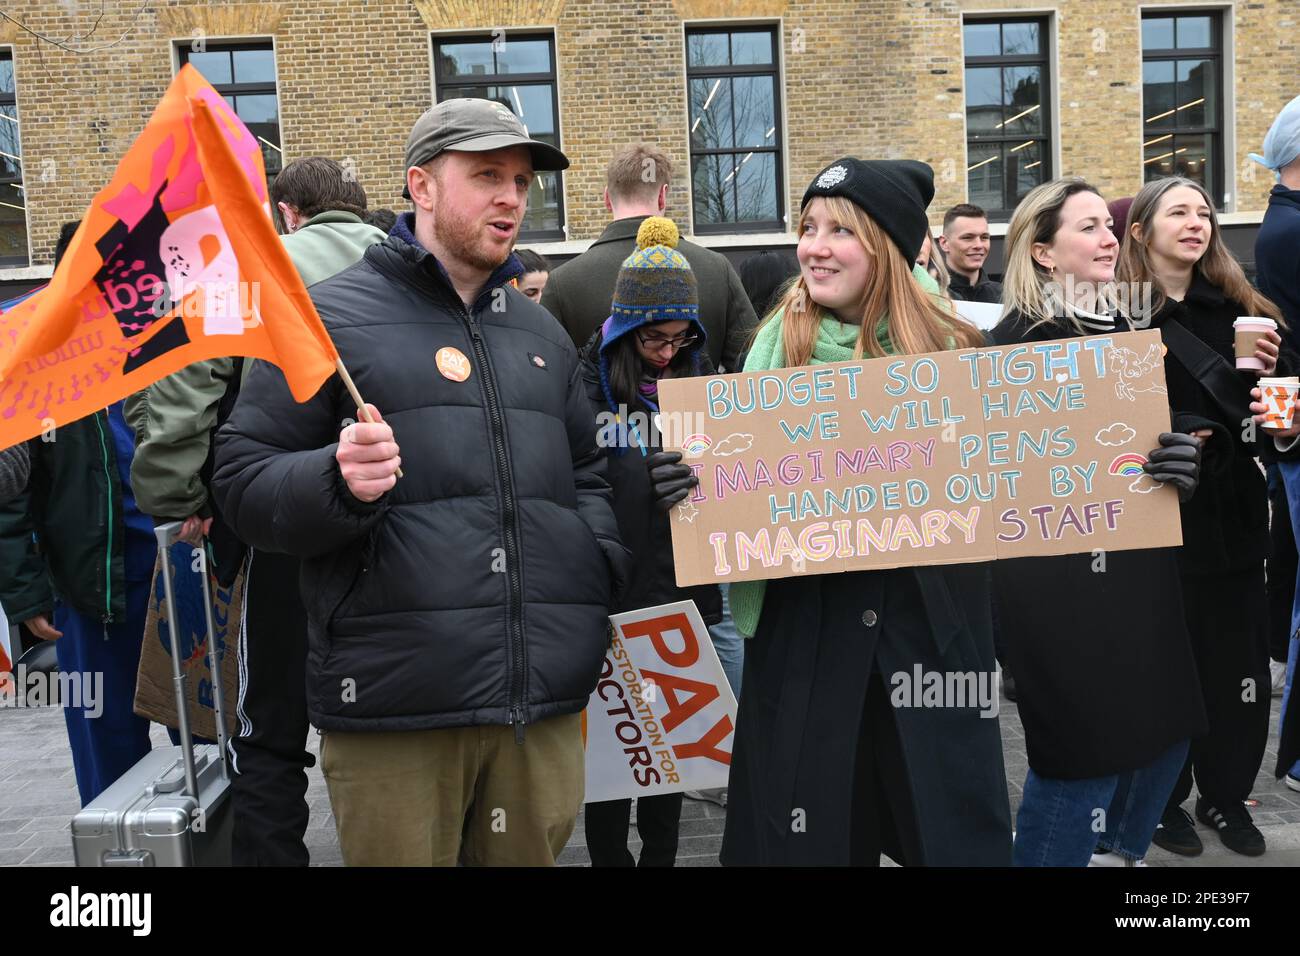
(732, 98)
(1006, 77)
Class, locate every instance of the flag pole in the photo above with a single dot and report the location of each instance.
(362, 410)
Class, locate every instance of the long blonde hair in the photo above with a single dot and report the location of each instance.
(1217, 265)
(916, 322)
(1027, 287)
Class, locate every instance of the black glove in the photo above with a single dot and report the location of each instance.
(1178, 461)
(670, 480)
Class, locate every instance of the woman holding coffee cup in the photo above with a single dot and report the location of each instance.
(1106, 734)
(1220, 334)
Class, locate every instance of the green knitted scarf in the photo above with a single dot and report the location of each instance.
(835, 343)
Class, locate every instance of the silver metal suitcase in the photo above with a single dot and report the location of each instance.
(173, 807)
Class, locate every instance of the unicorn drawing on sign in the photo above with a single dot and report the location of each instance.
(1133, 369)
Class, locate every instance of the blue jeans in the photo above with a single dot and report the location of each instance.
(729, 644)
(1290, 472)
(1061, 822)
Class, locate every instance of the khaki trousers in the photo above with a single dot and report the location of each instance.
(466, 795)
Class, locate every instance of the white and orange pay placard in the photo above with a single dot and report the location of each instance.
(663, 716)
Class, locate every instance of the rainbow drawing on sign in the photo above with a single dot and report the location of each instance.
(1128, 465)
(696, 445)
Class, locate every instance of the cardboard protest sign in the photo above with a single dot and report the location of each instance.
(662, 716)
(969, 455)
(155, 692)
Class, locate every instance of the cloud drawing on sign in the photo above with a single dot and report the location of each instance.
(734, 444)
(1144, 484)
(1116, 434)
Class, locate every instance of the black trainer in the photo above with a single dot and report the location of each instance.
(1234, 826)
(1177, 833)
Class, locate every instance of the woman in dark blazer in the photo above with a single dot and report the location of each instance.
(1174, 248)
(1106, 684)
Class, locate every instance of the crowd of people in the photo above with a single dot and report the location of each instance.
(427, 581)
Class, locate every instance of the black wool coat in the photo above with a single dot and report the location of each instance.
(643, 528)
(1225, 524)
(1105, 676)
(819, 640)
(476, 591)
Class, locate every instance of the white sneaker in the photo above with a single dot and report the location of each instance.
(1292, 782)
(1277, 671)
(1113, 859)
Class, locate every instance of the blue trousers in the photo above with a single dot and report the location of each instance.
(107, 737)
(1061, 822)
(729, 644)
(1290, 472)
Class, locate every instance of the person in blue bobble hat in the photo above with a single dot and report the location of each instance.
(653, 332)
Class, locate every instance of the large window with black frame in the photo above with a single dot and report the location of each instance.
(518, 71)
(13, 204)
(735, 137)
(1008, 116)
(1182, 98)
(244, 74)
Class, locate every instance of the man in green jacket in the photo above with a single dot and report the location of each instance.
(320, 205)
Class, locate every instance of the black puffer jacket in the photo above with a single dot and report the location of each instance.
(476, 591)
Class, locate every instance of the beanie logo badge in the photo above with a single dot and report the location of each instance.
(537, 360)
(832, 177)
(453, 364)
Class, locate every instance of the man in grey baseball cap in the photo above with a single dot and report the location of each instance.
(474, 126)
(458, 616)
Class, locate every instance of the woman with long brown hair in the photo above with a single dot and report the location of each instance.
(824, 770)
(1105, 681)
(1197, 289)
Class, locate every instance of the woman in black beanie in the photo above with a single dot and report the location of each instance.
(826, 767)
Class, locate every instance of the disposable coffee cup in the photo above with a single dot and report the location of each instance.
(1247, 331)
(1279, 395)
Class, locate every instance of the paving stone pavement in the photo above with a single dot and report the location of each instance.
(38, 796)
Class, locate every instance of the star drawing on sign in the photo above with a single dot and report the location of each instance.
(686, 511)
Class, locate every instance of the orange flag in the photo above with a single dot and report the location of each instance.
(175, 262)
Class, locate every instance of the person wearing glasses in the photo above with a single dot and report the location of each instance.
(653, 332)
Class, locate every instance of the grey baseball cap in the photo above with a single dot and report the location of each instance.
(474, 126)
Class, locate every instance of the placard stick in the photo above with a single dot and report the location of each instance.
(362, 410)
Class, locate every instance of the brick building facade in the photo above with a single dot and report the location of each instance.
(875, 78)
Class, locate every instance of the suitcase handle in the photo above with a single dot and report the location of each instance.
(167, 535)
